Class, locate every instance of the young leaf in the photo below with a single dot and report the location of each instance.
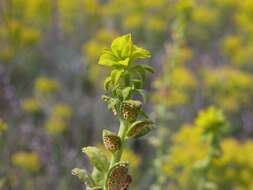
(97, 158)
(148, 68)
(140, 53)
(107, 83)
(124, 62)
(126, 92)
(115, 75)
(139, 128)
(107, 58)
(122, 46)
(83, 175)
(98, 176)
(140, 71)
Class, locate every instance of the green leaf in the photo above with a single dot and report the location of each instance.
(137, 84)
(122, 46)
(140, 71)
(83, 175)
(95, 188)
(97, 158)
(143, 93)
(127, 79)
(140, 128)
(124, 62)
(140, 53)
(126, 92)
(98, 176)
(107, 83)
(148, 68)
(115, 75)
(107, 58)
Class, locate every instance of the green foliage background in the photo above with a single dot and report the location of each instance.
(50, 87)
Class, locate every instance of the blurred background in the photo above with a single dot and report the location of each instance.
(50, 88)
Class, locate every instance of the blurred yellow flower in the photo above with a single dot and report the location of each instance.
(30, 105)
(58, 120)
(230, 171)
(46, 85)
(131, 157)
(6, 54)
(176, 89)
(230, 88)
(210, 118)
(231, 44)
(3, 126)
(55, 126)
(156, 24)
(27, 160)
(62, 110)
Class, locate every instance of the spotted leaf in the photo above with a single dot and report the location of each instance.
(118, 178)
(130, 109)
(139, 128)
(111, 141)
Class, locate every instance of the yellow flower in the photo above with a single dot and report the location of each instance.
(231, 44)
(177, 87)
(210, 118)
(55, 126)
(156, 24)
(62, 110)
(46, 85)
(3, 126)
(58, 121)
(131, 157)
(6, 54)
(27, 160)
(231, 170)
(30, 105)
(229, 88)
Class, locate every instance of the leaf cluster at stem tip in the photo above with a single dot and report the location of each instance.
(124, 81)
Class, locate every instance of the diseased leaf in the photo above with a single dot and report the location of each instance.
(111, 141)
(118, 178)
(139, 128)
(130, 109)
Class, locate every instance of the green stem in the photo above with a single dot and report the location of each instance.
(122, 133)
